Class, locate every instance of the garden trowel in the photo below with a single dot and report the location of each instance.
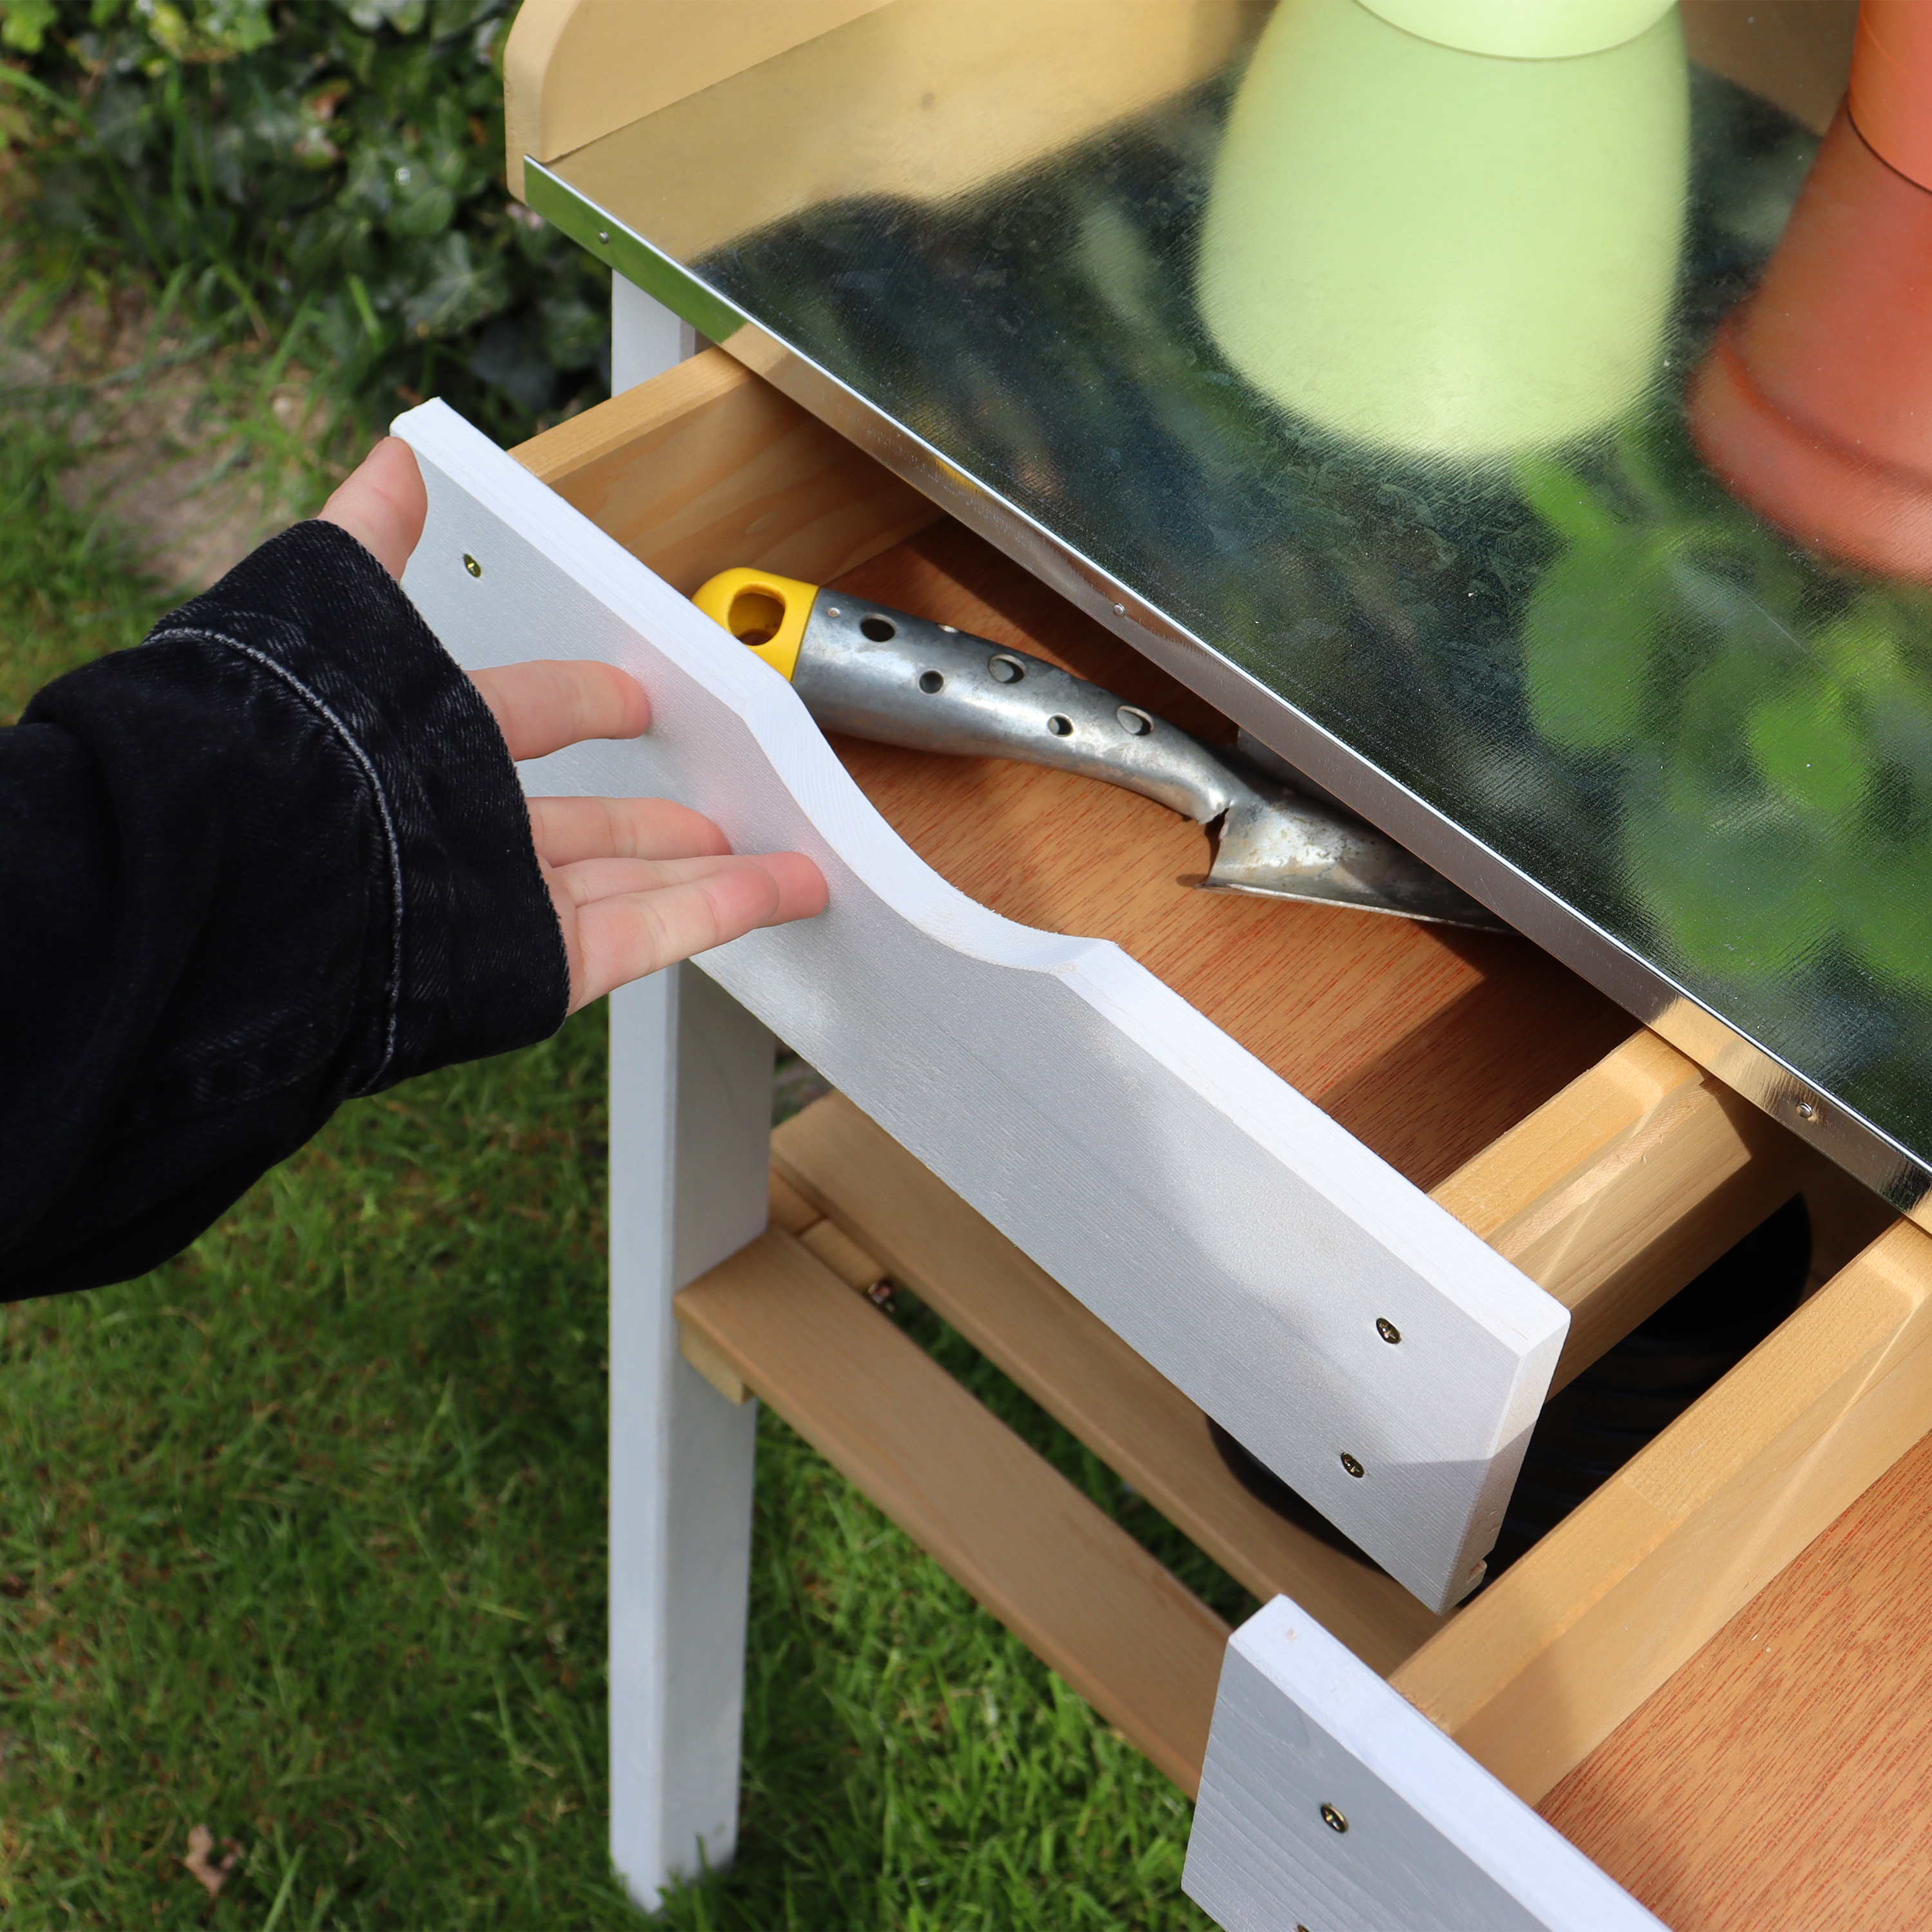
(875, 673)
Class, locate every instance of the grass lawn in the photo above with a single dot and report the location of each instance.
(302, 1540)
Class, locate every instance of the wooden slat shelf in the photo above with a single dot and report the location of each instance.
(1062, 1576)
(1080, 1373)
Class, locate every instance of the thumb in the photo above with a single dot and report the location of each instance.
(382, 504)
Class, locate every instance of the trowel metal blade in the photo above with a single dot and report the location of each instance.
(1285, 847)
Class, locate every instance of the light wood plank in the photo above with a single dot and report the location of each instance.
(1067, 1580)
(829, 1244)
(1621, 1188)
(574, 69)
(1541, 1667)
(1784, 1777)
(1135, 1420)
(712, 1366)
(707, 465)
(934, 99)
(788, 1209)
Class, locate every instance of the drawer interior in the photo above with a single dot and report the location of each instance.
(1601, 1163)
(1425, 1043)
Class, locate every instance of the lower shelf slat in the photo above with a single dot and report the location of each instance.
(1078, 1369)
(1066, 1579)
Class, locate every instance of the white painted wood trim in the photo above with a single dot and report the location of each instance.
(1219, 1222)
(1433, 1842)
(646, 338)
(690, 1111)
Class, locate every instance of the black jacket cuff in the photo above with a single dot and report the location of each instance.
(276, 855)
(477, 964)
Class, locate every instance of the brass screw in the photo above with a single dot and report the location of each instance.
(470, 564)
(1333, 1818)
(1354, 1469)
(1807, 1110)
(1386, 1329)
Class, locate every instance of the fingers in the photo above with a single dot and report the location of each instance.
(542, 707)
(382, 504)
(623, 934)
(569, 830)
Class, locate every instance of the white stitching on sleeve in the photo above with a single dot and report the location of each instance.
(315, 701)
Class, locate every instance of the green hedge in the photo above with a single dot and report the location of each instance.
(330, 170)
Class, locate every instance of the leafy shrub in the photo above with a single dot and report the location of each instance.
(326, 170)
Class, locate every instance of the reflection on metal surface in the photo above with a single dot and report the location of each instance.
(1815, 403)
(1688, 756)
(878, 674)
(1482, 267)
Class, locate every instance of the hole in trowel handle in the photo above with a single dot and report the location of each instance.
(754, 616)
(880, 630)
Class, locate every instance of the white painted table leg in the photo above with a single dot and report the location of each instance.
(646, 338)
(691, 1098)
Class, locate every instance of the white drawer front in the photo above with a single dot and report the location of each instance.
(1222, 1225)
(1329, 1804)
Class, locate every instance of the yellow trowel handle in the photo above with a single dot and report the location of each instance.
(766, 612)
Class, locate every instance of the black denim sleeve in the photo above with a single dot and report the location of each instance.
(275, 856)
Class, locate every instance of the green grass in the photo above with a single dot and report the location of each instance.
(301, 1539)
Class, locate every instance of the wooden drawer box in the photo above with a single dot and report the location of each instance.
(1227, 1152)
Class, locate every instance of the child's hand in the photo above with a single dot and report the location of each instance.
(638, 883)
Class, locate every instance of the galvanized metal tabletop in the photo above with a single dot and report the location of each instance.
(1355, 396)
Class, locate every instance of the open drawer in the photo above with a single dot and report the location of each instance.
(1257, 1140)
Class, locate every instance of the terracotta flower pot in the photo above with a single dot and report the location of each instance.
(1815, 404)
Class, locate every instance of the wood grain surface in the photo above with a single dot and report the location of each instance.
(1781, 1781)
(706, 466)
(1078, 1369)
(574, 69)
(1064, 1578)
(1541, 1668)
(1424, 1042)
(1632, 1180)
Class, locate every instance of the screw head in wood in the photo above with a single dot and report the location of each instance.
(470, 564)
(1353, 1468)
(1386, 1329)
(1333, 1818)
